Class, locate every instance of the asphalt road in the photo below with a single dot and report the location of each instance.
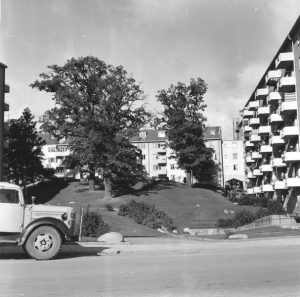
(259, 268)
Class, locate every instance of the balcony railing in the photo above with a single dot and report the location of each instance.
(256, 155)
(250, 191)
(273, 76)
(287, 84)
(253, 105)
(266, 168)
(248, 113)
(247, 129)
(292, 182)
(280, 185)
(257, 172)
(278, 162)
(264, 110)
(264, 130)
(275, 118)
(254, 122)
(250, 175)
(276, 140)
(249, 159)
(291, 157)
(257, 190)
(255, 138)
(274, 97)
(266, 149)
(262, 93)
(249, 144)
(284, 60)
(267, 188)
(289, 132)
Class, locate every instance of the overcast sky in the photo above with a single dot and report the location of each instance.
(228, 43)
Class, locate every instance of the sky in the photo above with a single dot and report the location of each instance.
(227, 43)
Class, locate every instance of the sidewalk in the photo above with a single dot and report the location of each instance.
(152, 245)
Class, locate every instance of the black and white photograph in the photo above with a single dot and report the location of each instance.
(150, 148)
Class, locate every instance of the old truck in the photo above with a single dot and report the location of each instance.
(39, 229)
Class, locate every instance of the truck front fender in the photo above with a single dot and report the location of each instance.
(57, 224)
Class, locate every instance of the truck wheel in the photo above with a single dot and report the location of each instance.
(43, 243)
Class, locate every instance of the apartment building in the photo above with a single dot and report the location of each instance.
(270, 128)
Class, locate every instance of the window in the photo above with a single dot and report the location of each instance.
(143, 157)
(172, 166)
(61, 148)
(161, 134)
(235, 167)
(51, 160)
(51, 149)
(234, 145)
(234, 156)
(9, 196)
(143, 134)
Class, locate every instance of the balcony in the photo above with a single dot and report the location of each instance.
(247, 129)
(284, 60)
(278, 162)
(267, 188)
(248, 113)
(254, 122)
(280, 185)
(250, 191)
(264, 130)
(266, 168)
(257, 172)
(291, 157)
(274, 97)
(273, 76)
(287, 84)
(255, 138)
(263, 111)
(256, 156)
(253, 105)
(276, 140)
(257, 190)
(249, 159)
(292, 182)
(261, 93)
(276, 118)
(289, 132)
(6, 88)
(250, 175)
(265, 149)
(288, 106)
(249, 144)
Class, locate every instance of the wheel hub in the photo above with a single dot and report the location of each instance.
(43, 242)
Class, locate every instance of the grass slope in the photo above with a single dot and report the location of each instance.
(188, 207)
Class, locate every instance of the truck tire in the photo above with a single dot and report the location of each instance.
(43, 243)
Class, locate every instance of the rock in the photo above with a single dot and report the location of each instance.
(187, 230)
(226, 211)
(238, 236)
(175, 231)
(111, 237)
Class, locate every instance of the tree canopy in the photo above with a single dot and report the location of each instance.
(184, 123)
(24, 153)
(100, 107)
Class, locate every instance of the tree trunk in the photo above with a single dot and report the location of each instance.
(107, 188)
(92, 181)
(189, 179)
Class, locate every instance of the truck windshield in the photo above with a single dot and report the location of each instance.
(9, 196)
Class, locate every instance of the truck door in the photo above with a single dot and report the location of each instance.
(11, 211)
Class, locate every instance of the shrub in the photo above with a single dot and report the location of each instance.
(93, 224)
(147, 215)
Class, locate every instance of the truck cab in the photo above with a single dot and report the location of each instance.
(39, 229)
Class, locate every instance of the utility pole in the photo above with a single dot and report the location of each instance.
(3, 107)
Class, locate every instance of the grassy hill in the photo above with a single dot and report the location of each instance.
(188, 207)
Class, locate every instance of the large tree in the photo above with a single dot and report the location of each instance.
(100, 108)
(24, 153)
(184, 122)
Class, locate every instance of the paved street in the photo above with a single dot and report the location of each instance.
(174, 268)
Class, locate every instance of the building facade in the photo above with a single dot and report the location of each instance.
(270, 128)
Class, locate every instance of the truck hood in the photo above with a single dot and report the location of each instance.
(52, 211)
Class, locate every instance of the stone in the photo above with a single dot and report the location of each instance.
(187, 230)
(238, 236)
(111, 237)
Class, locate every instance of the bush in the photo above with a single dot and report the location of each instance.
(93, 224)
(146, 215)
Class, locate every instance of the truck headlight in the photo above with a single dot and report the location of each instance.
(64, 216)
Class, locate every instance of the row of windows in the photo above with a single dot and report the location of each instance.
(154, 145)
(57, 148)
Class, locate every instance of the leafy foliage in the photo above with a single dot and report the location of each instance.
(99, 107)
(184, 123)
(147, 215)
(93, 224)
(24, 153)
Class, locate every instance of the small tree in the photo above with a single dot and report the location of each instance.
(184, 123)
(98, 106)
(24, 154)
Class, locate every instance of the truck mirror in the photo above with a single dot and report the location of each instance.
(33, 198)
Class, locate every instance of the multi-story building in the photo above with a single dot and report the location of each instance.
(270, 128)
(233, 160)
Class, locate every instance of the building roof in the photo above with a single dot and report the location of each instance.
(212, 133)
(50, 140)
(148, 135)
